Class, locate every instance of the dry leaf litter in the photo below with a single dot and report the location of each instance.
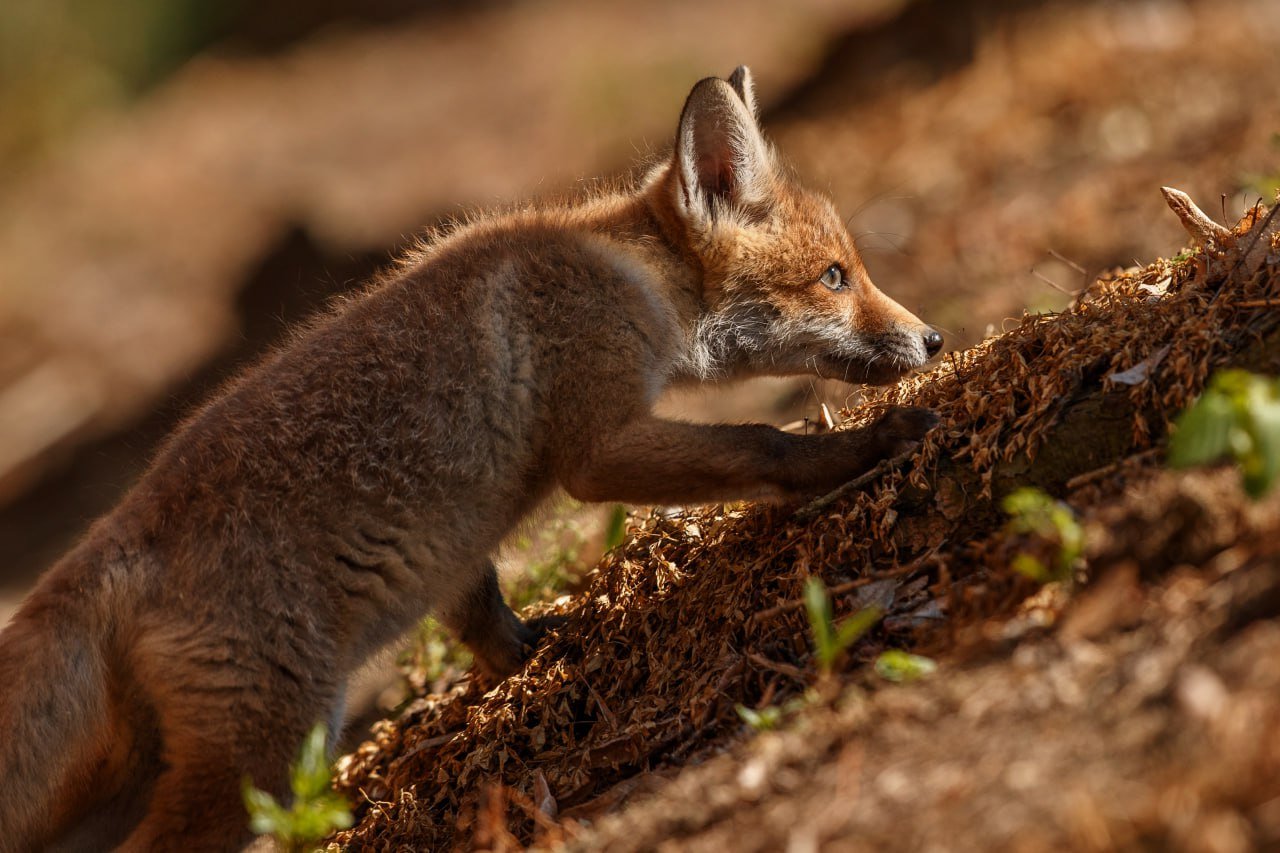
(700, 611)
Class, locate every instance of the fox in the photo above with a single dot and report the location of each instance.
(365, 472)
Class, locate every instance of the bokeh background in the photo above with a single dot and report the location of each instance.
(180, 179)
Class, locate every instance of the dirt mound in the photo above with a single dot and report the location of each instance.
(1151, 720)
(701, 611)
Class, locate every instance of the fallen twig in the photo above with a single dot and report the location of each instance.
(847, 586)
(1099, 473)
(781, 668)
(1259, 230)
(604, 709)
(1196, 222)
(810, 510)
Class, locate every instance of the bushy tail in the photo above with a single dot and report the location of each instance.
(52, 717)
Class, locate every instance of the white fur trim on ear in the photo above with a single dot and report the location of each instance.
(742, 83)
(722, 159)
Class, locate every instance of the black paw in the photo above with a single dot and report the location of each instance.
(501, 655)
(538, 626)
(902, 427)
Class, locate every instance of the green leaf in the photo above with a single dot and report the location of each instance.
(900, 666)
(831, 640)
(852, 628)
(1034, 513)
(1025, 564)
(316, 810)
(1203, 431)
(761, 720)
(616, 529)
(317, 818)
(310, 776)
(1264, 428)
(1238, 415)
(335, 815)
(818, 607)
(1030, 511)
(265, 814)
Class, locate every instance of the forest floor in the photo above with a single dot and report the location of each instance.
(1143, 716)
(1128, 703)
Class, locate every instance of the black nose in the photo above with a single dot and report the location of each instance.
(932, 342)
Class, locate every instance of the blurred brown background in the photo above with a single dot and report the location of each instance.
(181, 179)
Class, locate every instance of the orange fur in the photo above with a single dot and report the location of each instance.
(362, 476)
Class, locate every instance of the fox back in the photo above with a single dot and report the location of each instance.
(364, 474)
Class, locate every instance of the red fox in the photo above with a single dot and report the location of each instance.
(363, 474)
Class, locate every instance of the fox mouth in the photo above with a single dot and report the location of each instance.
(861, 371)
(881, 363)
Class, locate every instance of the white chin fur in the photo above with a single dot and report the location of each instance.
(752, 338)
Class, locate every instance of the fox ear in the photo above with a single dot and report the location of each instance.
(742, 83)
(721, 157)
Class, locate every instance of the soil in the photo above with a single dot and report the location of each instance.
(994, 156)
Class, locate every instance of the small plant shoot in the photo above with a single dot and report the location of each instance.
(899, 666)
(762, 720)
(1237, 418)
(829, 639)
(316, 810)
(1059, 537)
(615, 531)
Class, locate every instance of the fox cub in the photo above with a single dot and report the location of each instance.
(363, 474)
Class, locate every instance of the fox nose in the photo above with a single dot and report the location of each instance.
(932, 342)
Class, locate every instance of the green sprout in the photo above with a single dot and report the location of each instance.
(552, 560)
(770, 717)
(899, 666)
(829, 639)
(763, 720)
(615, 530)
(433, 656)
(1238, 416)
(553, 557)
(316, 810)
(1036, 514)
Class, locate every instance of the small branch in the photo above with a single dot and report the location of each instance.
(1201, 228)
(827, 419)
(1106, 470)
(810, 511)
(604, 709)
(1247, 254)
(841, 588)
(1069, 262)
(777, 666)
(1052, 283)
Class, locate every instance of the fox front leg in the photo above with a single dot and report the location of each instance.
(656, 461)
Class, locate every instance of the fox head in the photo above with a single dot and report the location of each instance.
(784, 289)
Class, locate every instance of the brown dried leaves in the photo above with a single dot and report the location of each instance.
(696, 613)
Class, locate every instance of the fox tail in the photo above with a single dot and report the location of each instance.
(54, 735)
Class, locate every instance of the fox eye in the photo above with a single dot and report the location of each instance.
(833, 278)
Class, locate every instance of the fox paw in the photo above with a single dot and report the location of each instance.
(902, 427)
(538, 627)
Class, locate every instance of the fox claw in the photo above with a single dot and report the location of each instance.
(903, 427)
(539, 626)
